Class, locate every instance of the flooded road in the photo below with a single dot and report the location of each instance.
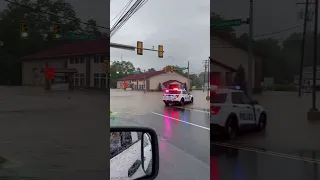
(229, 163)
(183, 133)
(58, 135)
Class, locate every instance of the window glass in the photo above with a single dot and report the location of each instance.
(237, 97)
(218, 98)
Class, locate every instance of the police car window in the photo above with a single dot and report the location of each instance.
(184, 92)
(218, 98)
(174, 92)
(237, 98)
(245, 99)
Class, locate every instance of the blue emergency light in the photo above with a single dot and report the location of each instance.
(236, 87)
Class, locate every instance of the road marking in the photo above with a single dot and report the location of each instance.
(181, 121)
(288, 156)
(191, 109)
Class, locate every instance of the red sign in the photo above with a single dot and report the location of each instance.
(125, 84)
(49, 73)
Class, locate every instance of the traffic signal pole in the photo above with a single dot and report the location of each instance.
(250, 55)
(302, 47)
(189, 84)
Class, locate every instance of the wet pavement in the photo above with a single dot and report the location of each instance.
(288, 129)
(241, 164)
(183, 133)
(54, 135)
(288, 149)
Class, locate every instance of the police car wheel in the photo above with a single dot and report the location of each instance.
(262, 123)
(191, 100)
(231, 129)
(182, 102)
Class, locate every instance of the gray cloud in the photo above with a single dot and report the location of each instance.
(181, 26)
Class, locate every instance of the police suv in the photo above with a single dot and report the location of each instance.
(176, 96)
(232, 111)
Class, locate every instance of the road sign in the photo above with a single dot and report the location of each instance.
(49, 73)
(228, 23)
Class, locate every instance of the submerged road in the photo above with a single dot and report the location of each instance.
(230, 163)
(183, 133)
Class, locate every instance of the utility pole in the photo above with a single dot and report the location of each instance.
(206, 65)
(314, 114)
(189, 84)
(302, 46)
(315, 56)
(144, 77)
(204, 75)
(250, 57)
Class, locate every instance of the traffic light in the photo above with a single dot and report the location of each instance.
(23, 30)
(160, 51)
(165, 69)
(56, 31)
(171, 68)
(139, 48)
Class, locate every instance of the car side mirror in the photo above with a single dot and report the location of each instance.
(138, 159)
(254, 102)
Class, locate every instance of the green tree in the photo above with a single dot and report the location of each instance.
(39, 25)
(92, 29)
(195, 80)
(241, 78)
(122, 66)
(151, 70)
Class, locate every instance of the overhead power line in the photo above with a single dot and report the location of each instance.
(277, 32)
(122, 10)
(122, 20)
(52, 14)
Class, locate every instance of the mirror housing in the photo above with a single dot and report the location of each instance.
(146, 162)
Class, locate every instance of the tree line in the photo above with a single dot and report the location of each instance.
(40, 15)
(120, 69)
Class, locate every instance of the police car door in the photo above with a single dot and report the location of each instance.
(185, 95)
(243, 110)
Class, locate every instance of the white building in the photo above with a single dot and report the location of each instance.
(151, 80)
(83, 60)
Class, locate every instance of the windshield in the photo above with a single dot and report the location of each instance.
(218, 98)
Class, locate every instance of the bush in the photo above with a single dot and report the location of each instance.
(281, 87)
(159, 87)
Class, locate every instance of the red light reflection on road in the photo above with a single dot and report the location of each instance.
(214, 171)
(167, 124)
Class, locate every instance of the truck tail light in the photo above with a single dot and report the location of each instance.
(215, 110)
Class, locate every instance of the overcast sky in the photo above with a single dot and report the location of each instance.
(181, 26)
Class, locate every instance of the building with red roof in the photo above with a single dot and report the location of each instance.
(81, 61)
(226, 55)
(151, 80)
